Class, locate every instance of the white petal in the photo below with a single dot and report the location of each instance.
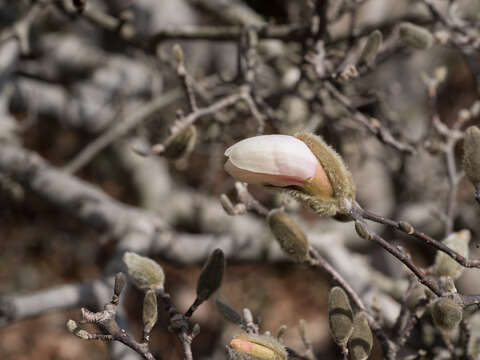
(274, 154)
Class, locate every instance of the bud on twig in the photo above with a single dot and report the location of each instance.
(446, 266)
(179, 144)
(370, 50)
(211, 276)
(120, 282)
(150, 312)
(361, 342)
(340, 316)
(471, 155)
(228, 313)
(446, 314)
(75, 330)
(256, 347)
(178, 53)
(144, 273)
(362, 230)
(415, 36)
(289, 235)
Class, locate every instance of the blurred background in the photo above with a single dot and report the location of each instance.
(92, 91)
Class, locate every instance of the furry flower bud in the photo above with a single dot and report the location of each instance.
(305, 165)
(211, 276)
(277, 160)
(415, 36)
(471, 157)
(144, 273)
(361, 342)
(289, 235)
(340, 315)
(444, 265)
(446, 314)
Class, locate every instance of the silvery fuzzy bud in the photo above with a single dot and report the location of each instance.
(361, 342)
(471, 155)
(446, 314)
(289, 235)
(228, 313)
(211, 275)
(340, 316)
(150, 311)
(256, 347)
(309, 169)
(415, 36)
(370, 50)
(446, 266)
(144, 273)
(178, 53)
(180, 144)
(417, 296)
(75, 330)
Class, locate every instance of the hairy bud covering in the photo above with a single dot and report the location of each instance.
(446, 314)
(180, 144)
(150, 312)
(361, 342)
(144, 273)
(446, 266)
(289, 235)
(471, 155)
(415, 36)
(370, 50)
(340, 315)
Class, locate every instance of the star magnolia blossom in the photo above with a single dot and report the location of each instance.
(277, 160)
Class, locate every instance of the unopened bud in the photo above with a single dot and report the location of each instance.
(289, 235)
(415, 36)
(178, 53)
(370, 50)
(471, 155)
(446, 266)
(72, 325)
(150, 312)
(340, 315)
(406, 227)
(361, 342)
(228, 313)
(120, 281)
(75, 330)
(211, 276)
(257, 347)
(180, 144)
(416, 297)
(446, 314)
(362, 230)
(144, 273)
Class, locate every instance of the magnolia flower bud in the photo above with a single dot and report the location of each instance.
(444, 265)
(278, 160)
(371, 47)
(144, 273)
(446, 314)
(211, 276)
(471, 157)
(308, 168)
(289, 235)
(340, 315)
(258, 347)
(415, 36)
(361, 342)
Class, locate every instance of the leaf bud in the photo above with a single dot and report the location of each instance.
(144, 273)
(150, 312)
(415, 36)
(228, 313)
(120, 281)
(340, 316)
(257, 347)
(444, 265)
(406, 227)
(362, 230)
(370, 50)
(75, 330)
(446, 314)
(361, 342)
(289, 235)
(471, 155)
(211, 276)
(180, 144)
(417, 296)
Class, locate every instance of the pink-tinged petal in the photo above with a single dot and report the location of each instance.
(261, 179)
(242, 345)
(274, 154)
